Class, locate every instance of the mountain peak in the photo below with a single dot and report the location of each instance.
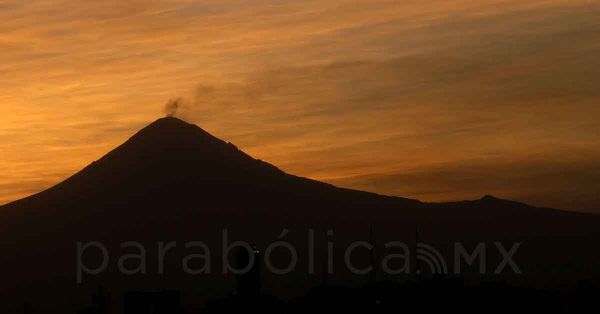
(172, 150)
(170, 124)
(169, 121)
(489, 197)
(171, 131)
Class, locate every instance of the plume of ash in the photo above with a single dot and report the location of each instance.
(172, 106)
(181, 106)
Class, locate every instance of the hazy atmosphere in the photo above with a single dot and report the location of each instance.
(436, 100)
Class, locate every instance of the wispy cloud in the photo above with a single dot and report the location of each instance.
(385, 96)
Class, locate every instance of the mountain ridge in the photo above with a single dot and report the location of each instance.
(154, 135)
(180, 166)
(173, 181)
(166, 134)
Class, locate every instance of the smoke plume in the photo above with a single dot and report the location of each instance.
(172, 106)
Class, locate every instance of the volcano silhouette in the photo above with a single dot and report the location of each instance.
(172, 181)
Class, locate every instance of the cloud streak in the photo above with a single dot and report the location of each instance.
(362, 94)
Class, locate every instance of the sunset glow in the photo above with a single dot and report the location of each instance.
(435, 100)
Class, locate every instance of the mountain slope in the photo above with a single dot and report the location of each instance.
(172, 168)
(172, 181)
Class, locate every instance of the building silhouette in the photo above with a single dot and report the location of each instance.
(100, 301)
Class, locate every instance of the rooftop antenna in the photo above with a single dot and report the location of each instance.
(325, 275)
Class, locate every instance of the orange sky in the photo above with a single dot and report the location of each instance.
(435, 100)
